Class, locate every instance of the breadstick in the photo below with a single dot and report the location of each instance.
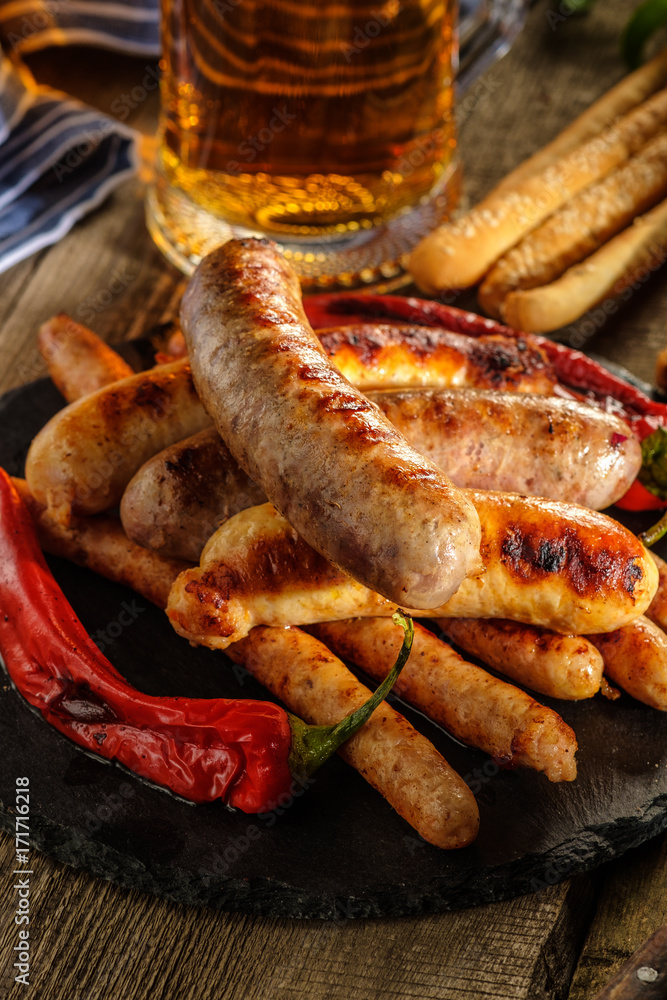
(459, 253)
(473, 706)
(605, 274)
(394, 758)
(580, 226)
(78, 361)
(635, 658)
(559, 666)
(627, 94)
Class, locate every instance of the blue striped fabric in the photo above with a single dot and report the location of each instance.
(126, 25)
(58, 158)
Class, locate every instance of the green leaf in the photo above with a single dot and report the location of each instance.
(645, 21)
(653, 473)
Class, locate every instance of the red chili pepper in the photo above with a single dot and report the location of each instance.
(243, 752)
(639, 498)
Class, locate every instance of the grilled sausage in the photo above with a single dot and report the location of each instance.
(100, 544)
(322, 453)
(541, 446)
(381, 356)
(78, 361)
(635, 658)
(390, 355)
(472, 705)
(554, 565)
(527, 444)
(179, 497)
(82, 460)
(560, 666)
(657, 609)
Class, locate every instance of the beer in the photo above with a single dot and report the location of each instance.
(308, 122)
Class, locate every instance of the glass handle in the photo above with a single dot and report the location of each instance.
(487, 29)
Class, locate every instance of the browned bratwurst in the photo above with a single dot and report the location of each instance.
(385, 355)
(536, 445)
(83, 458)
(324, 455)
(180, 496)
(79, 361)
(541, 446)
(554, 565)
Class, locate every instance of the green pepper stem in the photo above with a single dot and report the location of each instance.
(312, 745)
(655, 533)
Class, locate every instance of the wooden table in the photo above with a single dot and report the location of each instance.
(94, 940)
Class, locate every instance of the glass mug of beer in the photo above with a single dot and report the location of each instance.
(328, 127)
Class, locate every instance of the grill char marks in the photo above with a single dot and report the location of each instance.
(531, 556)
(369, 355)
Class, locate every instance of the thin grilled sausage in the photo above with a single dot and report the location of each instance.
(100, 544)
(472, 705)
(657, 609)
(82, 460)
(78, 361)
(322, 453)
(388, 751)
(560, 666)
(635, 658)
(554, 565)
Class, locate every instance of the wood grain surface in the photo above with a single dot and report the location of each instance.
(93, 940)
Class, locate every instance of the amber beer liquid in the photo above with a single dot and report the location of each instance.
(312, 123)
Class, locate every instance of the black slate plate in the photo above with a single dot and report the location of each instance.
(339, 850)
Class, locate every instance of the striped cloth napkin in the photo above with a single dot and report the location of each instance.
(58, 158)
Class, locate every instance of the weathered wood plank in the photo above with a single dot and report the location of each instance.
(631, 906)
(93, 940)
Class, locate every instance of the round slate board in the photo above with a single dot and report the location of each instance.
(337, 850)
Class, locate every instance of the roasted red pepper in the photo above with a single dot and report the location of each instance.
(243, 752)
(574, 370)
(639, 498)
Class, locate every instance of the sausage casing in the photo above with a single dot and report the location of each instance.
(79, 362)
(388, 751)
(322, 452)
(560, 666)
(635, 658)
(179, 497)
(386, 355)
